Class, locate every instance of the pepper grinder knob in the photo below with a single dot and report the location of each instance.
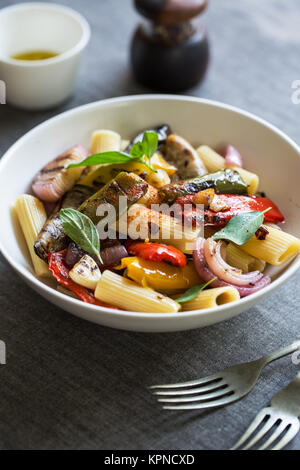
(170, 51)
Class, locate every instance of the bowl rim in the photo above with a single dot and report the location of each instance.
(76, 49)
(246, 301)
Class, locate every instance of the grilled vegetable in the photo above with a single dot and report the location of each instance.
(106, 173)
(179, 152)
(232, 156)
(157, 252)
(59, 269)
(127, 185)
(160, 276)
(221, 208)
(52, 237)
(86, 272)
(162, 131)
(224, 182)
(239, 204)
(73, 254)
(142, 223)
(54, 180)
(112, 255)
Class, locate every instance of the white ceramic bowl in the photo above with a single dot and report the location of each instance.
(40, 26)
(265, 149)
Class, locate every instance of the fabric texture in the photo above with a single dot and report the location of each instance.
(69, 384)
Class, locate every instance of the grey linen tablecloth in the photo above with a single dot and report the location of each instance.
(69, 384)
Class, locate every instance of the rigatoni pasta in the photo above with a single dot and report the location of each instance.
(32, 216)
(128, 295)
(105, 141)
(238, 258)
(211, 159)
(211, 298)
(278, 247)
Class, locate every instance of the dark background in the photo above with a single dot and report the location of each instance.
(70, 384)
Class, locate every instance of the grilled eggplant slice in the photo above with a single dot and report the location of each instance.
(128, 185)
(224, 182)
(162, 131)
(52, 237)
(180, 153)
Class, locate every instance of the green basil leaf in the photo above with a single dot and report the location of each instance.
(138, 150)
(150, 141)
(193, 292)
(81, 230)
(146, 148)
(103, 158)
(241, 227)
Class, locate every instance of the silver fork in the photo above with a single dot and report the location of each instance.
(218, 389)
(281, 418)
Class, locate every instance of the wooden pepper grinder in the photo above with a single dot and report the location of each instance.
(170, 52)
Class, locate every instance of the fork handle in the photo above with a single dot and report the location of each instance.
(281, 353)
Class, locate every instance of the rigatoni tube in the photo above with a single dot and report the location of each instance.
(238, 258)
(32, 216)
(211, 159)
(214, 162)
(210, 298)
(126, 294)
(105, 141)
(277, 248)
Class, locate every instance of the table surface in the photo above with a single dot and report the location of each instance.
(69, 384)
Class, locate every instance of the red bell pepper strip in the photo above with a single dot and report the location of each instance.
(236, 204)
(60, 271)
(157, 252)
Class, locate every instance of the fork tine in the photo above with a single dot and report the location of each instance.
(204, 380)
(204, 397)
(288, 436)
(208, 404)
(190, 391)
(267, 426)
(255, 423)
(282, 426)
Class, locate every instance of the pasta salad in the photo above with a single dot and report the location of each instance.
(152, 224)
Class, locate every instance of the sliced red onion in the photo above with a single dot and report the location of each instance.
(264, 282)
(216, 263)
(201, 265)
(206, 274)
(232, 156)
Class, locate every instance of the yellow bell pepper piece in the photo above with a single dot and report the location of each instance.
(160, 275)
(106, 173)
(159, 163)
